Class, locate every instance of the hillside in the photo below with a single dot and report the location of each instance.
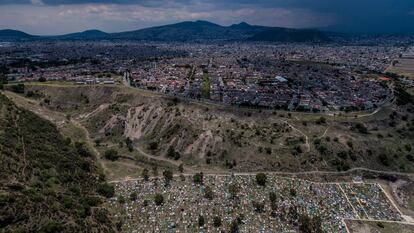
(48, 183)
(14, 35)
(197, 31)
(85, 35)
(209, 137)
(192, 31)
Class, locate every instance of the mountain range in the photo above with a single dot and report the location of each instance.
(189, 31)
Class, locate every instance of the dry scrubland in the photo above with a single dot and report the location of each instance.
(166, 132)
(215, 138)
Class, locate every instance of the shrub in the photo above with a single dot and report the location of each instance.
(111, 154)
(261, 179)
(321, 120)
(158, 199)
(198, 178)
(168, 176)
(217, 221)
(153, 145)
(19, 88)
(200, 220)
(383, 158)
(106, 190)
(208, 193)
(133, 196)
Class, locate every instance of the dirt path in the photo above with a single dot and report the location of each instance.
(307, 145)
(324, 133)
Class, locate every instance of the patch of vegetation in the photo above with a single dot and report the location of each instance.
(49, 185)
(111, 154)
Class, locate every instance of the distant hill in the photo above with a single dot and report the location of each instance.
(85, 35)
(14, 35)
(189, 31)
(290, 35)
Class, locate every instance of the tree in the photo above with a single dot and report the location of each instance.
(233, 190)
(208, 193)
(153, 145)
(171, 153)
(19, 88)
(158, 199)
(310, 225)
(217, 221)
(181, 168)
(273, 200)
(168, 176)
(155, 171)
(258, 206)
(198, 178)
(129, 145)
(293, 192)
(200, 221)
(106, 190)
(234, 227)
(133, 196)
(321, 120)
(261, 179)
(121, 200)
(145, 174)
(111, 154)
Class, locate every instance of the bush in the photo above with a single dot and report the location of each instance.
(106, 190)
(261, 179)
(111, 154)
(133, 196)
(208, 193)
(258, 206)
(158, 199)
(234, 227)
(153, 145)
(168, 176)
(383, 158)
(171, 153)
(129, 145)
(321, 120)
(19, 88)
(198, 178)
(200, 220)
(233, 190)
(361, 128)
(145, 174)
(217, 221)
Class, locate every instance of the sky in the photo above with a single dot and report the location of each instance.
(53, 17)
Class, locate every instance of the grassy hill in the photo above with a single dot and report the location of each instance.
(48, 183)
(215, 137)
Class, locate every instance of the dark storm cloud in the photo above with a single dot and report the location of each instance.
(371, 16)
